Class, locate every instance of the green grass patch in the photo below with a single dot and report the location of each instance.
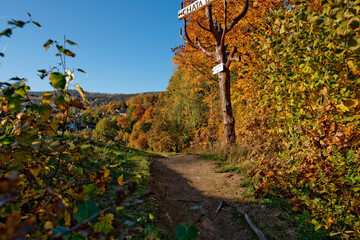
(306, 230)
(130, 163)
(211, 156)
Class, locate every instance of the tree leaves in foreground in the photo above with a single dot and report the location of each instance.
(47, 189)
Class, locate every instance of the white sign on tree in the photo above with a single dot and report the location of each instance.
(186, 11)
(218, 68)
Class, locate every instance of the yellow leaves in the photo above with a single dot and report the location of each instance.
(35, 170)
(328, 222)
(48, 225)
(47, 97)
(115, 165)
(138, 178)
(105, 225)
(120, 180)
(348, 104)
(308, 174)
(353, 68)
(351, 103)
(82, 93)
(106, 171)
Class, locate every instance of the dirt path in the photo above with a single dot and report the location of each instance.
(183, 181)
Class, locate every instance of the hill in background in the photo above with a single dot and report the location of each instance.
(95, 99)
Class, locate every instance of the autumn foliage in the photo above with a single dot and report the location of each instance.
(295, 96)
(50, 181)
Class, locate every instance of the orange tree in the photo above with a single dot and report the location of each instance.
(194, 61)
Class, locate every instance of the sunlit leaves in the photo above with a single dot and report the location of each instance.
(82, 93)
(58, 80)
(47, 97)
(45, 186)
(36, 23)
(312, 106)
(72, 43)
(65, 51)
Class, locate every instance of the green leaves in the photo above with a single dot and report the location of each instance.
(72, 43)
(7, 32)
(61, 230)
(105, 225)
(310, 83)
(66, 52)
(186, 232)
(58, 81)
(86, 210)
(61, 103)
(16, 23)
(80, 70)
(197, 207)
(47, 97)
(48, 44)
(43, 73)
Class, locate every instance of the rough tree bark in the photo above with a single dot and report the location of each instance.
(221, 56)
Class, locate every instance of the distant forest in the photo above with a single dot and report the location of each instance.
(95, 99)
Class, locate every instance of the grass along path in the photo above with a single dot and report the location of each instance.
(187, 189)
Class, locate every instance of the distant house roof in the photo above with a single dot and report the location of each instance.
(122, 112)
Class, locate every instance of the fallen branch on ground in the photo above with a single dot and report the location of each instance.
(260, 235)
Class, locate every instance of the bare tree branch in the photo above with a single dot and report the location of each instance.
(198, 44)
(208, 30)
(231, 57)
(201, 47)
(239, 17)
(222, 41)
(210, 21)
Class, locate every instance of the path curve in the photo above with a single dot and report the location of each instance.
(182, 182)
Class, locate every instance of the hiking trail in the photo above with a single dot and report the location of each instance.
(182, 182)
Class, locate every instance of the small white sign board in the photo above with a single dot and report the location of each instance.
(186, 11)
(218, 68)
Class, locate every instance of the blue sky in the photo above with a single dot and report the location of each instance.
(125, 46)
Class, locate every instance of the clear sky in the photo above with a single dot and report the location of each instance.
(125, 45)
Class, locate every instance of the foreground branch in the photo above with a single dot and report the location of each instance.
(260, 235)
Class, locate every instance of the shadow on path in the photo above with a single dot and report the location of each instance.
(184, 181)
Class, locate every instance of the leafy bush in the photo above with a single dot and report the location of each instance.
(105, 130)
(309, 87)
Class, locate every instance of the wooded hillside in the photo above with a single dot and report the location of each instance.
(295, 95)
(295, 92)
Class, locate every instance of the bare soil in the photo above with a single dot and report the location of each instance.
(181, 182)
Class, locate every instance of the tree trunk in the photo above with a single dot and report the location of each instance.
(228, 119)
